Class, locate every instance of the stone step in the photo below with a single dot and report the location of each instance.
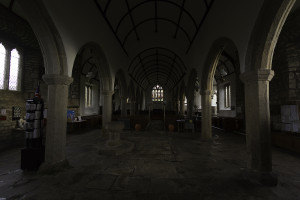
(155, 125)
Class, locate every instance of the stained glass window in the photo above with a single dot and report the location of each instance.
(157, 93)
(14, 70)
(2, 65)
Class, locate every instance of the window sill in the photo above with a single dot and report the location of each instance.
(5, 90)
(227, 109)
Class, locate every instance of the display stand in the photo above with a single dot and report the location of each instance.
(33, 155)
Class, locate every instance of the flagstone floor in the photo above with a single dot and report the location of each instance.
(161, 166)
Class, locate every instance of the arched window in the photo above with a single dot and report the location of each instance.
(14, 70)
(2, 65)
(157, 93)
(88, 96)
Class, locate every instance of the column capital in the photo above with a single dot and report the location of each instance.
(57, 79)
(205, 92)
(257, 75)
(107, 92)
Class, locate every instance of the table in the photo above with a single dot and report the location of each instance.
(76, 125)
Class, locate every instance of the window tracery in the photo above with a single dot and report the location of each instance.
(157, 93)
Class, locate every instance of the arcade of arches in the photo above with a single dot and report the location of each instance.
(151, 99)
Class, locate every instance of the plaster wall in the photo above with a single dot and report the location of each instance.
(227, 112)
(94, 108)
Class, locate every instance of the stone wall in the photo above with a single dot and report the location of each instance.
(74, 91)
(16, 33)
(285, 85)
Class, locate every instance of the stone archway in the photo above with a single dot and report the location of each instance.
(258, 74)
(219, 47)
(91, 54)
(56, 76)
(265, 34)
(50, 42)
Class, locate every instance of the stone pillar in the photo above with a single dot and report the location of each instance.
(190, 107)
(257, 113)
(218, 99)
(123, 106)
(107, 106)
(136, 108)
(206, 115)
(132, 106)
(56, 117)
(181, 106)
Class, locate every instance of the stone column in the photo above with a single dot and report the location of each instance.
(136, 108)
(258, 120)
(190, 107)
(58, 86)
(132, 106)
(123, 106)
(107, 106)
(218, 99)
(206, 115)
(181, 106)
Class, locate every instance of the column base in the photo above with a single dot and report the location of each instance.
(47, 168)
(264, 178)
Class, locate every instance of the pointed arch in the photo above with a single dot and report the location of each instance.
(265, 34)
(50, 42)
(92, 54)
(213, 58)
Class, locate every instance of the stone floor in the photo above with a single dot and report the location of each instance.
(160, 167)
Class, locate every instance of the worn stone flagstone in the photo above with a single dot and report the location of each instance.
(160, 166)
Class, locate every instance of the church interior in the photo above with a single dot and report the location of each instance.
(149, 99)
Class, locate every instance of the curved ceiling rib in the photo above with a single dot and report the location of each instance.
(149, 72)
(157, 65)
(161, 49)
(156, 19)
(150, 1)
(124, 17)
(153, 63)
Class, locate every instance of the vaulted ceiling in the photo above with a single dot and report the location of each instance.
(157, 65)
(155, 35)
